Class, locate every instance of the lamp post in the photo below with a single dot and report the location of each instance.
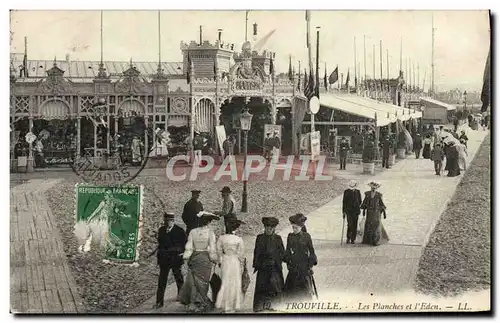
(245, 124)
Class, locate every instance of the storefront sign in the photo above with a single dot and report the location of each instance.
(111, 217)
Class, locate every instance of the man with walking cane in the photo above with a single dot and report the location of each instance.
(351, 204)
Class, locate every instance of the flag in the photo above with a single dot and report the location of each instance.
(334, 77)
(305, 79)
(347, 79)
(188, 74)
(215, 69)
(308, 19)
(25, 65)
(485, 92)
(290, 73)
(271, 65)
(310, 89)
(298, 83)
(325, 80)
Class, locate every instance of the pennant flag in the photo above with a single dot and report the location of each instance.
(188, 74)
(334, 77)
(325, 80)
(485, 92)
(347, 79)
(290, 73)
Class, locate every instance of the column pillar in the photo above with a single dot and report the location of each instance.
(274, 110)
(146, 123)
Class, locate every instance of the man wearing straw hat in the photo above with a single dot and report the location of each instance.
(351, 209)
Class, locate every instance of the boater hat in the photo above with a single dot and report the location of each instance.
(298, 219)
(270, 221)
(352, 184)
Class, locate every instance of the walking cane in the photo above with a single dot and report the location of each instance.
(342, 237)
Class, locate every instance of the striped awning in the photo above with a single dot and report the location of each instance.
(54, 109)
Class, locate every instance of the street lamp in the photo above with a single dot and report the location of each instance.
(245, 124)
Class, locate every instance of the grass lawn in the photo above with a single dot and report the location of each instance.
(457, 258)
(115, 288)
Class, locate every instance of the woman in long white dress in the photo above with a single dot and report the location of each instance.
(230, 251)
(200, 256)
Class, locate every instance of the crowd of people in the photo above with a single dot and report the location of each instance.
(217, 276)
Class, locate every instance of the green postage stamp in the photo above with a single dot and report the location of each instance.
(109, 218)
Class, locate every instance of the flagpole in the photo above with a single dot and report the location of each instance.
(373, 59)
(388, 72)
(418, 75)
(355, 64)
(401, 56)
(317, 61)
(246, 25)
(364, 53)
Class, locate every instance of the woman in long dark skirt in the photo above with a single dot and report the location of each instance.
(372, 207)
(300, 258)
(453, 157)
(267, 262)
(427, 147)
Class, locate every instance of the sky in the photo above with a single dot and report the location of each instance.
(460, 51)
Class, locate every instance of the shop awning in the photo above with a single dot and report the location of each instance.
(354, 105)
(54, 109)
(448, 107)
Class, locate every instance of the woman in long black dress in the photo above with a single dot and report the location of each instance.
(372, 207)
(300, 258)
(427, 147)
(267, 262)
(453, 157)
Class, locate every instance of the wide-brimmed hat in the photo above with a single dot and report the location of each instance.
(270, 221)
(225, 189)
(298, 219)
(195, 192)
(374, 184)
(168, 216)
(207, 216)
(353, 183)
(232, 222)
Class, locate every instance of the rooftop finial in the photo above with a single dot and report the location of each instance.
(55, 61)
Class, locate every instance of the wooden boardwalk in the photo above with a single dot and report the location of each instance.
(41, 281)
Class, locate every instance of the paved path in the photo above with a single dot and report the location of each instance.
(415, 197)
(41, 281)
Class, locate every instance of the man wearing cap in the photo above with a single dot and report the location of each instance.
(191, 210)
(268, 146)
(228, 205)
(268, 256)
(343, 149)
(351, 204)
(171, 243)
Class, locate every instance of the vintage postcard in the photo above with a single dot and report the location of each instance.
(242, 162)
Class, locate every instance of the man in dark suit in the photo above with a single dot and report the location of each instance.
(417, 145)
(171, 244)
(269, 253)
(386, 150)
(351, 209)
(191, 209)
(343, 150)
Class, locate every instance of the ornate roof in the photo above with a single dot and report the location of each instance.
(89, 69)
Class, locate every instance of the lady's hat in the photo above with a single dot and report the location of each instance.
(232, 222)
(298, 219)
(374, 185)
(195, 192)
(207, 216)
(353, 183)
(225, 189)
(270, 221)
